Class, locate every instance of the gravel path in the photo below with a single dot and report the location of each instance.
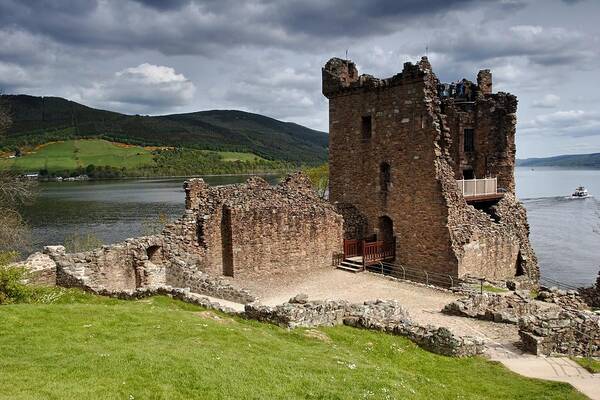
(423, 304)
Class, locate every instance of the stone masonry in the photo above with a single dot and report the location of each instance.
(243, 231)
(397, 147)
(256, 229)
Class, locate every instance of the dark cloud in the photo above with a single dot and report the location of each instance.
(195, 27)
(164, 4)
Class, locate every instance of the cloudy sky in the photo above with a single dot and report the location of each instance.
(265, 56)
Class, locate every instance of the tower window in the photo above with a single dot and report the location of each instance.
(366, 128)
(385, 176)
(469, 136)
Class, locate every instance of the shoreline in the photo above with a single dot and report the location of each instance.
(123, 178)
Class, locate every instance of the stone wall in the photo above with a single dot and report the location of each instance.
(256, 229)
(494, 307)
(380, 315)
(396, 150)
(561, 331)
(126, 268)
(591, 295)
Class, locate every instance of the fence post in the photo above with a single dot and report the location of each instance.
(481, 285)
(381, 265)
(403, 273)
(426, 278)
(451, 281)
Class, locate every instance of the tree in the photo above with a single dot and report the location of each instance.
(319, 177)
(14, 234)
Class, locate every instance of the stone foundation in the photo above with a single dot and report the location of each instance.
(384, 316)
(494, 307)
(565, 332)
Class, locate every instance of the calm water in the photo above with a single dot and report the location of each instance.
(565, 232)
(562, 230)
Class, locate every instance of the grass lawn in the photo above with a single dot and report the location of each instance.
(591, 364)
(87, 347)
(70, 154)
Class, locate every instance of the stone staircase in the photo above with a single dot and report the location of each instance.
(352, 264)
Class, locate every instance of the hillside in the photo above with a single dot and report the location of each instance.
(99, 158)
(573, 160)
(38, 120)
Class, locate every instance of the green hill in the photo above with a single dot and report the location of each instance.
(38, 120)
(571, 160)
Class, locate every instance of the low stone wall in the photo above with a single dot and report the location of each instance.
(591, 295)
(561, 332)
(102, 271)
(493, 307)
(564, 298)
(176, 293)
(384, 316)
(41, 268)
(184, 276)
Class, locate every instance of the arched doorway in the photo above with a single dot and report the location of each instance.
(386, 229)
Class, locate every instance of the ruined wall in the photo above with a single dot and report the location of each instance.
(489, 257)
(421, 138)
(401, 136)
(255, 229)
(267, 240)
(122, 266)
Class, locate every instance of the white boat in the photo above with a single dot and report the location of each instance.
(580, 193)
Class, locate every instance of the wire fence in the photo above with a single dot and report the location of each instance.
(552, 282)
(418, 275)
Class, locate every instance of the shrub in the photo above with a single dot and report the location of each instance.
(12, 288)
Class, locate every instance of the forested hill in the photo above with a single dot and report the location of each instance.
(38, 120)
(573, 160)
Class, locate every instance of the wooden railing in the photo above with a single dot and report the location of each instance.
(478, 187)
(371, 252)
(352, 248)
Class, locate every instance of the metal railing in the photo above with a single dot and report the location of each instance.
(418, 275)
(478, 187)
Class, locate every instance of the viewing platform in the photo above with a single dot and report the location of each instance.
(479, 190)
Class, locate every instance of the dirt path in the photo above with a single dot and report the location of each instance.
(423, 304)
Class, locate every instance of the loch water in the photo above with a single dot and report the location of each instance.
(565, 233)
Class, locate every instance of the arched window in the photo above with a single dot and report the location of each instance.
(385, 176)
(154, 254)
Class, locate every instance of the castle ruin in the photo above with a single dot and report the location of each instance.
(421, 176)
(423, 172)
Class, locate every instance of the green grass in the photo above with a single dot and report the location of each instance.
(71, 154)
(591, 364)
(88, 347)
(235, 156)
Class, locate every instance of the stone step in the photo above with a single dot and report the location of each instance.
(350, 267)
(351, 262)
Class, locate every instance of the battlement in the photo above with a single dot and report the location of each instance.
(341, 76)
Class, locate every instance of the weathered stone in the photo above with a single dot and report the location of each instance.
(567, 331)
(566, 299)
(397, 147)
(41, 268)
(493, 307)
(380, 315)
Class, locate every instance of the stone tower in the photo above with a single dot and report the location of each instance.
(429, 167)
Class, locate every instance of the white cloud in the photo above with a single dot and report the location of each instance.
(145, 88)
(548, 101)
(570, 123)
